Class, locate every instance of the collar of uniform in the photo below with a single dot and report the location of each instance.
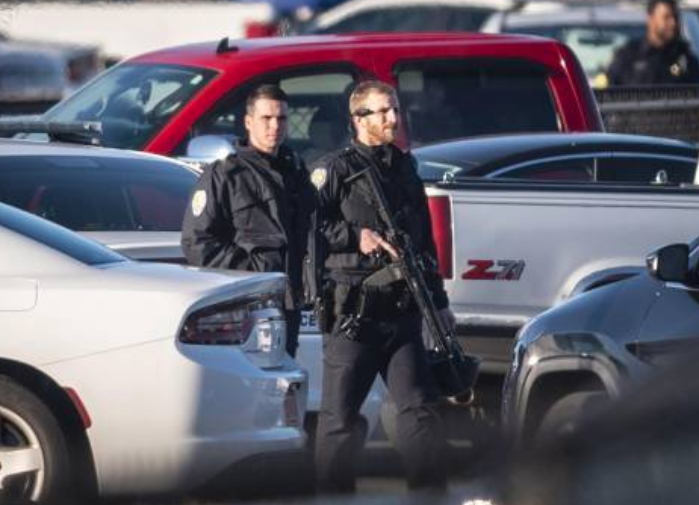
(384, 154)
(284, 155)
(674, 46)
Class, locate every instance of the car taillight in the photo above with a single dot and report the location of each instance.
(440, 214)
(255, 323)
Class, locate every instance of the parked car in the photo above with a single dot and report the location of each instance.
(34, 76)
(510, 248)
(131, 377)
(640, 449)
(133, 203)
(582, 157)
(162, 101)
(285, 15)
(601, 343)
(404, 16)
(593, 31)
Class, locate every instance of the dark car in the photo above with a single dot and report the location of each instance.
(639, 450)
(34, 76)
(590, 349)
(132, 202)
(573, 157)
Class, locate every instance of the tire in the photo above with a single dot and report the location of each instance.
(564, 417)
(34, 459)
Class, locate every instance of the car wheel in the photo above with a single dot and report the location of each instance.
(564, 416)
(34, 459)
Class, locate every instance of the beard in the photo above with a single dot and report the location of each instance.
(382, 134)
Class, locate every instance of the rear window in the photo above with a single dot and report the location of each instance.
(98, 193)
(62, 240)
(463, 98)
(132, 101)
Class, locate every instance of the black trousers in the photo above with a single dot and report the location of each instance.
(393, 349)
(293, 326)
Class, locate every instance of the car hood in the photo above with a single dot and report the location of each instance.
(615, 311)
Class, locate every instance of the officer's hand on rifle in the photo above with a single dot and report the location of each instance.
(371, 242)
(448, 319)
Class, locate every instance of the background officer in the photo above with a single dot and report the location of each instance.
(663, 57)
(388, 340)
(251, 211)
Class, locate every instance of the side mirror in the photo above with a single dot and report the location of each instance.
(669, 263)
(206, 149)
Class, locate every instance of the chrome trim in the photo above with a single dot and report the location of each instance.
(594, 156)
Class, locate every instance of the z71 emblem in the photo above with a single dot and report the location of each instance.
(490, 270)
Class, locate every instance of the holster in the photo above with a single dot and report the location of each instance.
(325, 307)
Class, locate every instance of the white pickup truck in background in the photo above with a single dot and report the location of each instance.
(519, 248)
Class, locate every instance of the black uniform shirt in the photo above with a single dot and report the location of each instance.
(347, 207)
(639, 63)
(251, 211)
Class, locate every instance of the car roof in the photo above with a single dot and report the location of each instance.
(21, 147)
(486, 153)
(205, 54)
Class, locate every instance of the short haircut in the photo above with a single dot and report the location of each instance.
(364, 89)
(268, 91)
(672, 4)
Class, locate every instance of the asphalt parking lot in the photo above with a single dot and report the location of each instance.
(380, 482)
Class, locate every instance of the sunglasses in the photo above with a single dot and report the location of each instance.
(364, 112)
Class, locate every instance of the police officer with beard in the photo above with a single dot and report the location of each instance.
(662, 57)
(388, 339)
(251, 211)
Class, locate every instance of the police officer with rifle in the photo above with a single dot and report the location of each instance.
(378, 279)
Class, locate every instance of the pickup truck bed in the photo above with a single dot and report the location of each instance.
(521, 248)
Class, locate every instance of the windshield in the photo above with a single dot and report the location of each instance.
(133, 101)
(55, 237)
(593, 45)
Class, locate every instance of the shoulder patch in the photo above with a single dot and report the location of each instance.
(319, 177)
(198, 202)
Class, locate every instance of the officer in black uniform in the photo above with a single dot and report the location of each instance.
(251, 211)
(662, 57)
(388, 340)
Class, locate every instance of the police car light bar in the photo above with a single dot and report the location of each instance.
(83, 132)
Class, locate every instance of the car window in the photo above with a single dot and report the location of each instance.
(98, 194)
(318, 118)
(646, 169)
(55, 237)
(578, 169)
(460, 98)
(132, 101)
(594, 46)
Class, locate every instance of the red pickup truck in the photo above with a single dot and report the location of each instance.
(449, 85)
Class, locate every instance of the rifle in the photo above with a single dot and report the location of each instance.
(455, 371)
